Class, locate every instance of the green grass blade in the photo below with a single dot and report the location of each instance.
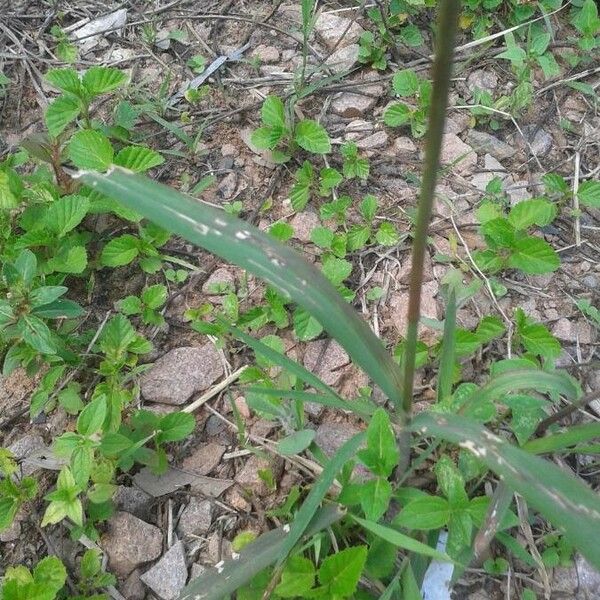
(561, 497)
(565, 439)
(446, 373)
(355, 406)
(400, 540)
(282, 360)
(526, 379)
(257, 252)
(318, 491)
(216, 584)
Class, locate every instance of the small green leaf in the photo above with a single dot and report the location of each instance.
(273, 112)
(499, 232)
(155, 296)
(426, 512)
(267, 137)
(397, 114)
(91, 150)
(51, 573)
(387, 235)
(73, 260)
(306, 327)
(405, 83)
(328, 179)
(381, 454)
(368, 207)
(36, 333)
(341, 572)
(120, 251)
(46, 294)
(138, 158)
(589, 193)
(65, 80)
(100, 80)
(176, 426)
(281, 231)
(537, 211)
(322, 237)
(533, 255)
(296, 442)
(375, 497)
(336, 269)
(92, 417)
(358, 236)
(297, 578)
(312, 137)
(65, 213)
(489, 328)
(538, 340)
(61, 111)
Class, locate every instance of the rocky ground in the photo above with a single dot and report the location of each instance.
(169, 528)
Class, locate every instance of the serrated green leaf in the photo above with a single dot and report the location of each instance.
(65, 80)
(381, 454)
(64, 214)
(397, 114)
(340, 572)
(61, 111)
(336, 269)
(306, 327)
(489, 328)
(537, 211)
(538, 340)
(90, 149)
(273, 112)
(533, 255)
(312, 137)
(297, 577)
(73, 260)
(281, 231)
(589, 193)
(321, 236)
(368, 207)
(358, 236)
(138, 158)
(175, 427)
(328, 179)
(100, 80)
(267, 137)
(499, 232)
(155, 296)
(387, 235)
(120, 251)
(405, 83)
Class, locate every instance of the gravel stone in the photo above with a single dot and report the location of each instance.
(266, 54)
(330, 28)
(485, 142)
(180, 373)
(204, 459)
(133, 500)
(130, 542)
(351, 104)
(196, 517)
(482, 79)
(454, 149)
(303, 223)
(343, 59)
(220, 279)
(168, 576)
(325, 359)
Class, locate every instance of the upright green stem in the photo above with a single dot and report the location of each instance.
(446, 33)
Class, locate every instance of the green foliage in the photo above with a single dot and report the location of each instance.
(509, 244)
(407, 84)
(43, 583)
(278, 130)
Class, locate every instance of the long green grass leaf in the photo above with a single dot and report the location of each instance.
(218, 583)
(400, 540)
(318, 492)
(356, 406)
(526, 379)
(561, 497)
(446, 373)
(257, 252)
(564, 439)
